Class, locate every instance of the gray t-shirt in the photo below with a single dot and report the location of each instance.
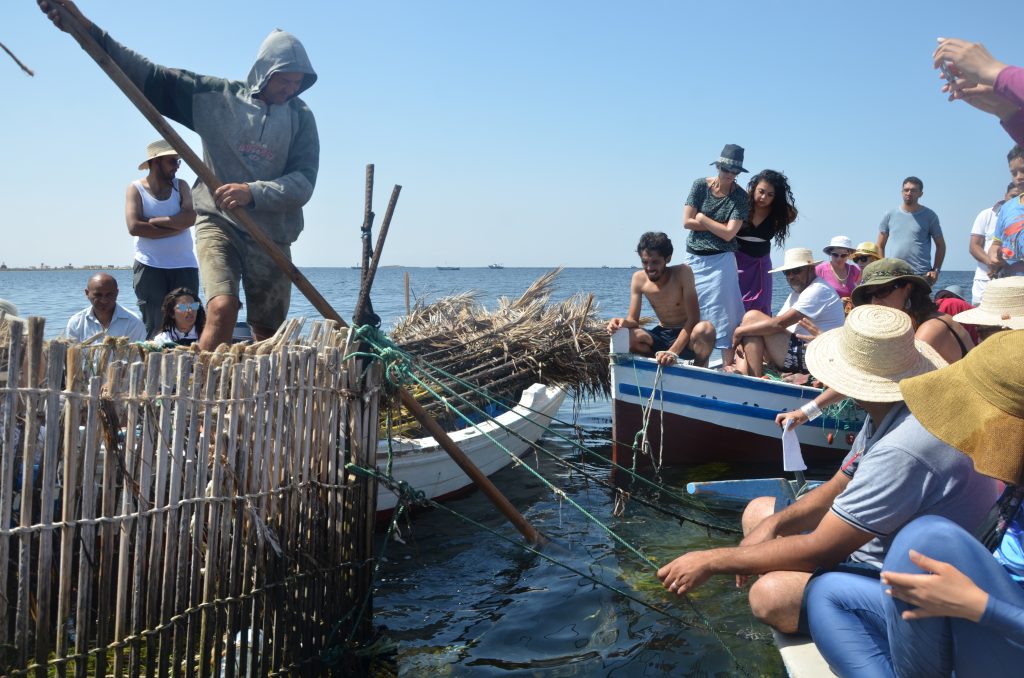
(736, 205)
(899, 471)
(910, 236)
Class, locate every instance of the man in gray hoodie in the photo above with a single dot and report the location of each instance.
(261, 140)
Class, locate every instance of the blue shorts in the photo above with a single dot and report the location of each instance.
(664, 337)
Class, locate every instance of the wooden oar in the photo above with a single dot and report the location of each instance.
(206, 175)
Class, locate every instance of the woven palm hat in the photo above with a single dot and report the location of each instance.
(868, 249)
(1001, 304)
(157, 149)
(797, 257)
(866, 358)
(841, 241)
(977, 405)
(883, 272)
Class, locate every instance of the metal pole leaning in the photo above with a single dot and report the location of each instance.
(206, 175)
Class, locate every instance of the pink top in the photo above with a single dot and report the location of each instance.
(1010, 84)
(845, 288)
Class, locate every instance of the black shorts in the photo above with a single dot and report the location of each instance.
(664, 337)
(795, 355)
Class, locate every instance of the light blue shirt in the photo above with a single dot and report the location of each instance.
(84, 324)
(910, 236)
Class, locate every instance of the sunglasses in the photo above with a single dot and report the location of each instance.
(861, 260)
(840, 255)
(884, 291)
(185, 308)
(727, 171)
(789, 273)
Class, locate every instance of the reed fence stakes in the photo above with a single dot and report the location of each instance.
(408, 309)
(12, 405)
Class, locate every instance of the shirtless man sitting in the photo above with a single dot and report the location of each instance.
(673, 296)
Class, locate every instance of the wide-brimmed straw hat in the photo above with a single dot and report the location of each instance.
(977, 405)
(883, 272)
(797, 257)
(157, 149)
(868, 249)
(840, 241)
(731, 158)
(866, 358)
(1002, 304)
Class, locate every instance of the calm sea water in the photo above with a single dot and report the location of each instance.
(457, 600)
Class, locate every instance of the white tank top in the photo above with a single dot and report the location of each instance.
(173, 252)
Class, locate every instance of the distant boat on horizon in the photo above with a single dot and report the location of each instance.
(448, 268)
(495, 266)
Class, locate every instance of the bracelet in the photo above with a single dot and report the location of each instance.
(811, 411)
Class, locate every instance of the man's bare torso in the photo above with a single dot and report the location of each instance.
(668, 298)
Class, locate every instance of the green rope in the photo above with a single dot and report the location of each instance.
(378, 340)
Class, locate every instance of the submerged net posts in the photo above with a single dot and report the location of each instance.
(185, 512)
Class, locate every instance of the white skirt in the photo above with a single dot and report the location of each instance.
(718, 293)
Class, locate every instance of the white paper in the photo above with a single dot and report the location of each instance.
(792, 459)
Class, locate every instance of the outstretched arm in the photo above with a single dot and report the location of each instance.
(632, 319)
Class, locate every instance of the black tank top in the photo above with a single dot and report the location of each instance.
(765, 231)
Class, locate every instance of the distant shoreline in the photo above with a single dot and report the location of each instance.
(50, 269)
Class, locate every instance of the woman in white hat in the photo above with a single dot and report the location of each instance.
(714, 212)
(1002, 308)
(838, 272)
(950, 602)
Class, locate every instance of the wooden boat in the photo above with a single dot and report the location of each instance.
(427, 468)
(696, 414)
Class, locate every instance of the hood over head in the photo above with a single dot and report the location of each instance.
(280, 52)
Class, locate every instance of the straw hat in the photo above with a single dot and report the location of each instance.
(840, 241)
(977, 405)
(867, 357)
(883, 272)
(157, 149)
(797, 257)
(868, 249)
(1002, 304)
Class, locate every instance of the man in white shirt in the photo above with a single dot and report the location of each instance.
(104, 314)
(762, 338)
(981, 240)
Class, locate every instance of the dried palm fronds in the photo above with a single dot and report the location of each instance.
(522, 341)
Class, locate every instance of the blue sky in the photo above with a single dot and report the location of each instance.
(527, 133)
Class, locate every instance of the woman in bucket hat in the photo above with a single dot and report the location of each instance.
(892, 282)
(714, 212)
(838, 272)
(949, 602)
(772, 210)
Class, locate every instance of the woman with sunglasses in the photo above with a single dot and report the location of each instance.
(772, 210)
(838, 272)
(892, 283)
(184, 318)
(865, 253)
(715, 209)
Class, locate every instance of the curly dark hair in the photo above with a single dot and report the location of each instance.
(783, 207)
(171, 300)
(1015, 152)
(655, 242)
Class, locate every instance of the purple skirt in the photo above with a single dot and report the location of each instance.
(755, 282)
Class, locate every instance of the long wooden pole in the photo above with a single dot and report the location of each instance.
(206, 175)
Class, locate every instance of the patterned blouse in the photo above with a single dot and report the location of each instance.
(733, 206)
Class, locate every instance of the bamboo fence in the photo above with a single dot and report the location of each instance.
(185, 513)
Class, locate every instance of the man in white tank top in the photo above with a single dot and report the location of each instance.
(159, 213)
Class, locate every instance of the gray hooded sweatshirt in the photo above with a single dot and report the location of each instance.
(274, 149)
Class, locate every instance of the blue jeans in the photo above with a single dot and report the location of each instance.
(859, 631)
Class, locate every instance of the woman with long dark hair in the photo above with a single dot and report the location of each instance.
(772, 210)
(184, 318)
